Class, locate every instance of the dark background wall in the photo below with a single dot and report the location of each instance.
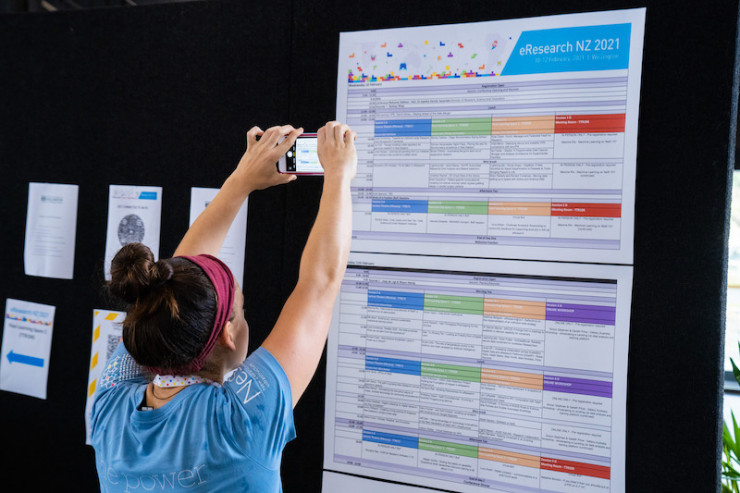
(163, 95)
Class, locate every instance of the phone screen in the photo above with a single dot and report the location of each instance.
(302, 157)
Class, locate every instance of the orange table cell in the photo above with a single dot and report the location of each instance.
(569, 209)
(511, 378)
(577, 124)
(593, 470)
(518, 208)
(523, 125)
(514, 308)
(509, 457)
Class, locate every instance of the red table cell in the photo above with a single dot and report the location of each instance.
(578, 124)
(571, 467)
(569, 209)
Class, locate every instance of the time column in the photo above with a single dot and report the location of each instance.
(361, 117)
(352, 335)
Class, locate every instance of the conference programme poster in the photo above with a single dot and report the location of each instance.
(489, 375)
(495, 140)
(506, 139)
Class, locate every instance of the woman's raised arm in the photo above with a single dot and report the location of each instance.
(298, 338)
(256, 170)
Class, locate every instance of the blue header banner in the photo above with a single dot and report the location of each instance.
(570, 49)
(148, 196)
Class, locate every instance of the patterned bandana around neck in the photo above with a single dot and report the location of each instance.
(169, 381)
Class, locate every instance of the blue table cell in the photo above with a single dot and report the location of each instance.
(403, 128)
(413, 206)
(393, 365)
(390, 438)
(395, 299)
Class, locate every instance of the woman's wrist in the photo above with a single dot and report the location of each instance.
(339, 178)
(241, 181)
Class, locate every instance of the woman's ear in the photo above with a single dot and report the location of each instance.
(227, 336)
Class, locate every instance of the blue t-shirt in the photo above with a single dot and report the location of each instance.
(208, 437)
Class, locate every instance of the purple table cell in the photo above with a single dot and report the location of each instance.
(564, 312)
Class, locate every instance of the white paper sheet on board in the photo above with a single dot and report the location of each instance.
(233, 250)
(51, 224)
(489, 374)
(500, 139)
(26, 347)
(106, 334)
(134, 215)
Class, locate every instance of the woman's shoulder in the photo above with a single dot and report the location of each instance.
(260, 375)
(121, 369)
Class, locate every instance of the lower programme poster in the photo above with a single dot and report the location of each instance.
(488, 375)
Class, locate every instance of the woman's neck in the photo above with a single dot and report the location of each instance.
(156, 397)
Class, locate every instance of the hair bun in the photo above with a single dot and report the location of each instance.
(134, 272)
(160, 272)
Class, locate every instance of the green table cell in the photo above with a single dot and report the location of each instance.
(461, 126)
(448, 448)
(455, 304)
(457, 207)
(452, 372)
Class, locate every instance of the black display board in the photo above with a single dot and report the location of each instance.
(163, 96)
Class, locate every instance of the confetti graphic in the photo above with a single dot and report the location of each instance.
(407, 59)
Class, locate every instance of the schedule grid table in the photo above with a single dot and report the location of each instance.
(461, 377)
(536, 163)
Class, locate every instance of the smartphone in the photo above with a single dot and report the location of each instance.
(302, 158)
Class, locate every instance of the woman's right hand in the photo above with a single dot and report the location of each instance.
(336, 149)
(257, 165)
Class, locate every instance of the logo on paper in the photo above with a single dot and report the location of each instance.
(52, 199)
(571, 49)
(36, 318)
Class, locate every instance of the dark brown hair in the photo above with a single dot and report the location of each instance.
(171, 307)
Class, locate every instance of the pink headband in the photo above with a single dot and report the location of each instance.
(223, 282)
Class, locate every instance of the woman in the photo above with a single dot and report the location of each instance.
(186, 428)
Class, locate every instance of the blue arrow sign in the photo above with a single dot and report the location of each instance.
(24, 359)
